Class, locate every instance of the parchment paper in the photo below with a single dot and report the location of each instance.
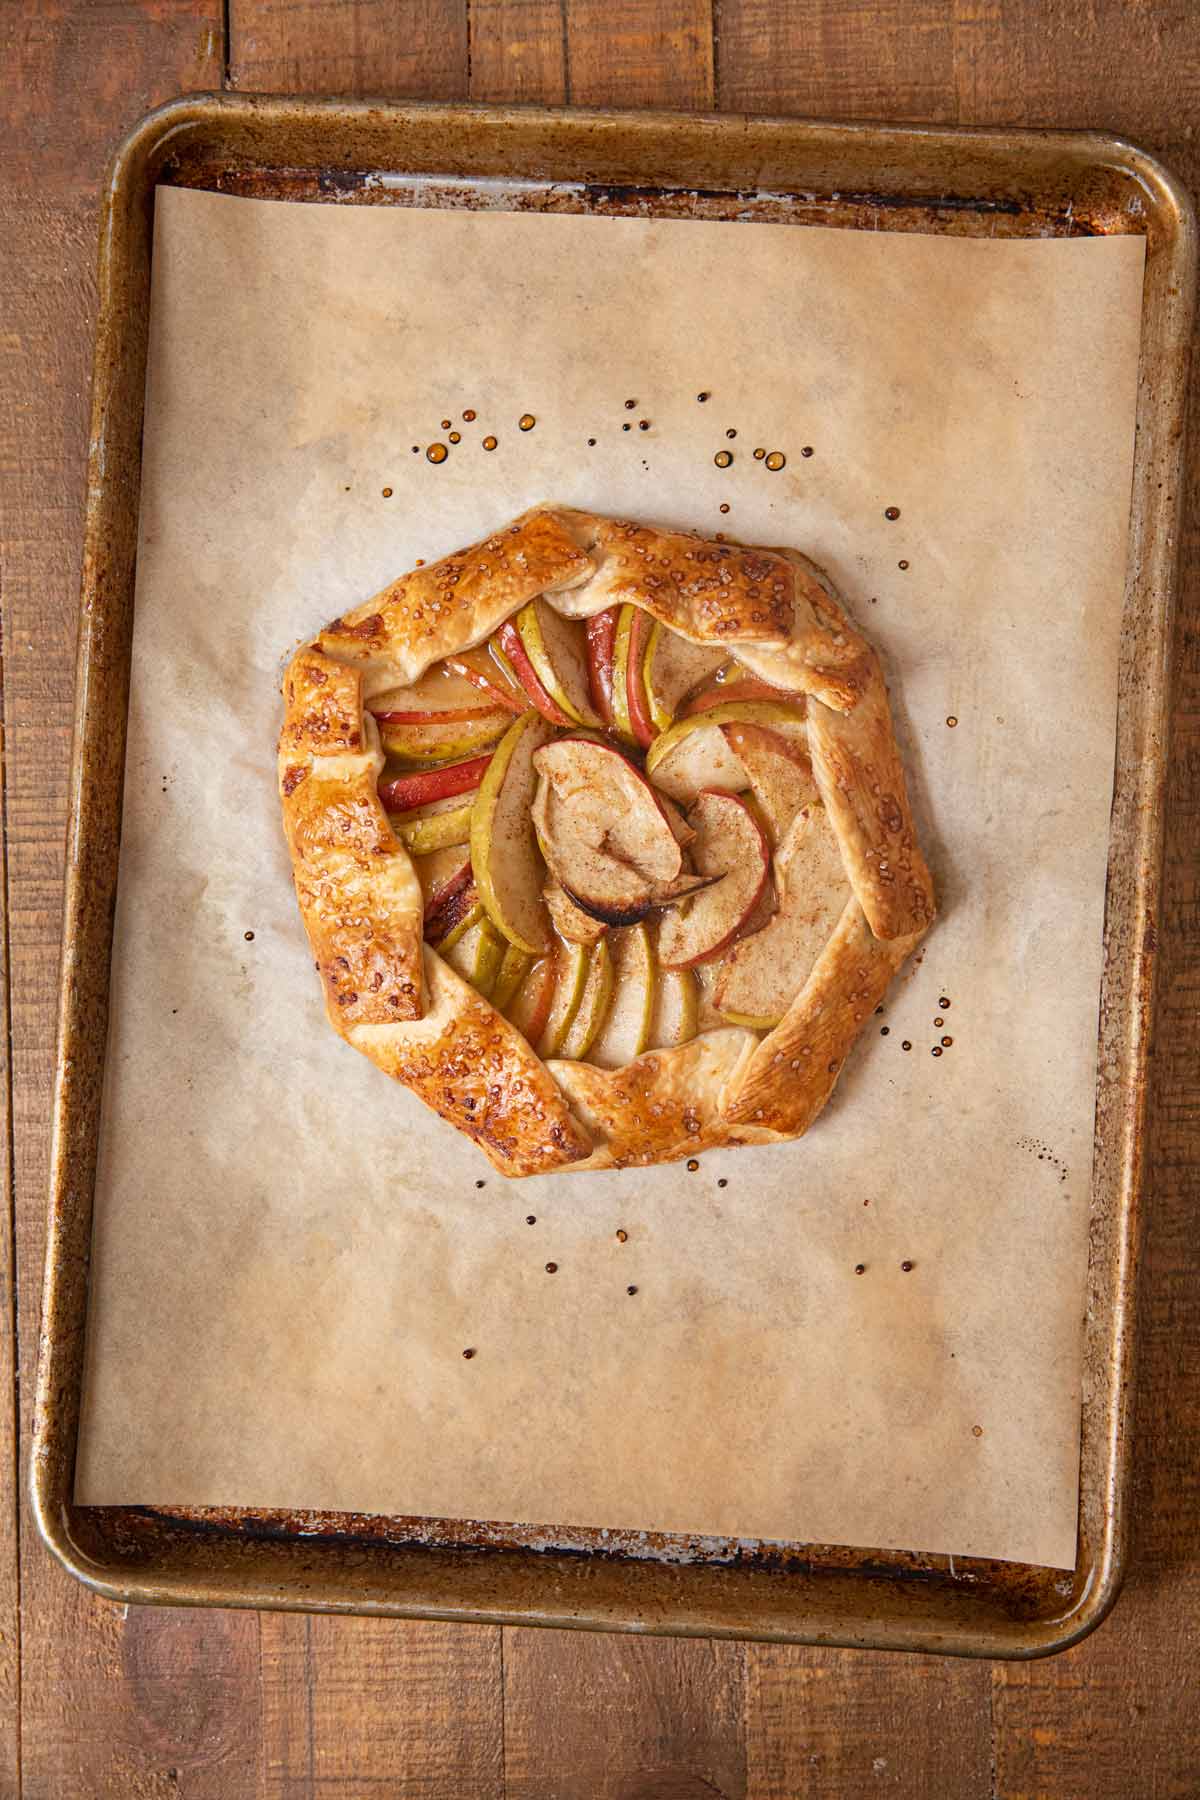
(291, 1254)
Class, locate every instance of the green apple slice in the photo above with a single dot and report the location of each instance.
(673, 667)
(593, 1006)
(622, 723)
(571, 971)
(676, 1014)
(468, 920)
(428, 739)
(761, 975)
(490, 960)
(438, 825)
(513, 970)
(626, 1030)
(504, 854)
(529, 1008)
(555, 647)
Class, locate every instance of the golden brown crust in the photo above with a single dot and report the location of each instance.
(666, 1105)
(359, 895)
(788, 1078)
(362, 902)
(861, 780)
(454, 604)
(470, 1065)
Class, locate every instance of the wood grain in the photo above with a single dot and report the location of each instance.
(169, 1703)
(417, 50)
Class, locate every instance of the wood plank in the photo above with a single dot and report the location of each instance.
(418, 51)
(10, 1575)
(153, 1703)
(518, 51)
(609, 1718)
(837, 59)
(372, 1706)
(633, 53)
(829, 1723)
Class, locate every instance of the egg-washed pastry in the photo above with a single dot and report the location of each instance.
(601, 839)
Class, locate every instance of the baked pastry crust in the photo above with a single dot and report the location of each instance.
(397, 1001)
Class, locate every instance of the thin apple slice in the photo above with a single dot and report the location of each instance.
(477, 954)
(761, 975)
(571, 964)
(529, 1008)
(779, 771)
(557, 653)
(622, 723)
(600, 632)
(504, 854)
(593, 1006)
(402, 793)
(483, 672)
(672, 667)
(442, 688)
(440, 869)
(433, 738)
(695, 755)
(446, 924)
(438, 824)
(508, 646)
(626, 1030)
(676, 1009)
(570, 921)
(729, 844)
(641, 723)
(736, 688)
(602, 830)
(513, 970)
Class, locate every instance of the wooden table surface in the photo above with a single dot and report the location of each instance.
(145, 1704)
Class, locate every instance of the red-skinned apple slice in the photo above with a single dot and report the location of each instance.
(557, 654)
(403, 792)
(601, 634)
(440, 869)
(730, 845)
(602, 830)
(696, 754)
(745, 687)
(487, 678)
(453, 911)
(437, 738)
(637, 701)
(508, 639)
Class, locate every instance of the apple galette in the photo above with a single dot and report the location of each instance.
(601, 839)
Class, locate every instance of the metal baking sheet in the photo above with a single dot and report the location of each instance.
(884, 178)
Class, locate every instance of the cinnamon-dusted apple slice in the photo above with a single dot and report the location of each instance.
(511, 653)
(779, 771)
(439, 737)
(434, 826)
(729, 844)
(529, 1008)
(443, 868)
(602, 831)
(594, 1004)
(601, 632)
(761, 975)
(570, 921)
(571, 964)
(504, 855)
(626, 1030)
(557, 654)
(671, 668)
(736, 687)
(476, 954)
(402, 793)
